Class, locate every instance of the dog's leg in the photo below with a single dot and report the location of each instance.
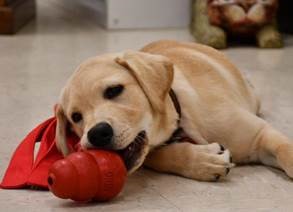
(254, 140)
(201, 162)
(275, 149)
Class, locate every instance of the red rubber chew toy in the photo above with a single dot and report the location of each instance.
(88, 175)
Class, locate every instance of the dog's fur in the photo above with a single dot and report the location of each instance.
(218, 107)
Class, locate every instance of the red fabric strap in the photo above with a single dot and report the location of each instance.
(22, 170)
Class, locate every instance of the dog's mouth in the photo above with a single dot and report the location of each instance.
(134, 151)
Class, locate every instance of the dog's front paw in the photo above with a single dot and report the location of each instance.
(213, 148)
(211, 166)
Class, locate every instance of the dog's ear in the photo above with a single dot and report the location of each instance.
(61, 127)
(154, 74)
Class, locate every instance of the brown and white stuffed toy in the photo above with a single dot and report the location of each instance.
(214, 19)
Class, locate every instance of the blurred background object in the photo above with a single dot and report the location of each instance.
(132, 14)
(111, 14)
(215, 22)
(15, 13)
(285, 16)
(126, 14)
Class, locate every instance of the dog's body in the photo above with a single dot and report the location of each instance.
(218, 107)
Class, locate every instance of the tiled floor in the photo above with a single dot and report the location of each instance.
(34, 65)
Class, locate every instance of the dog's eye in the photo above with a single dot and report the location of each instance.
(76, 117)
(113, 91)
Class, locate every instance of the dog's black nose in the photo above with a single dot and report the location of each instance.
(100, 135)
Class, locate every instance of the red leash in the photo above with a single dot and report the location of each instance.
(23, 171)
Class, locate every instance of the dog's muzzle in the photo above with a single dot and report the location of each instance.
(101, 136)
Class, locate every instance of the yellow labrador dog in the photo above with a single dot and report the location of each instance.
(136, 102)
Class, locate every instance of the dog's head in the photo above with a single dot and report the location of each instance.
(119, 103)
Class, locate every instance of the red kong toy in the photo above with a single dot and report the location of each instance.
(88, 175)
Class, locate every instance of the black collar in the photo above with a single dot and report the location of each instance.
(178, 135)
(176, 104)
